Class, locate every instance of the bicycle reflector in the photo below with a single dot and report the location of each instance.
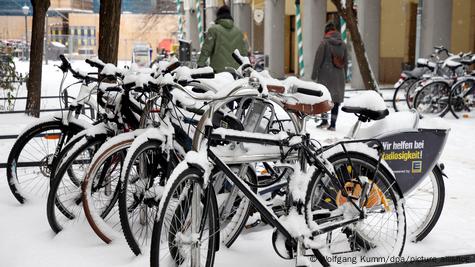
(52, 136)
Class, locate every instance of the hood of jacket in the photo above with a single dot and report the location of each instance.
(333, 37)
(226, 23)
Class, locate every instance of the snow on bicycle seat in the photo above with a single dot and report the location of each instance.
(468, 61)
(416, 72)
(301, 96)
(452, 63)
(395, 121)
(422, 62)
(368, 104)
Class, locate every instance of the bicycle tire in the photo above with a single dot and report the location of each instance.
(411, 94)
(174, 207)
(13, 178)
(457, 98)
(146, 212)
(356, 237)
(57, 210)
(426, 102)
(404, 87)
(101, 228)
(437, 205)
(235, 224)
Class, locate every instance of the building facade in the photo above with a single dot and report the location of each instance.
(74, 25)
(388, 28)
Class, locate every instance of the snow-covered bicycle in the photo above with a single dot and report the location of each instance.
(187, 227)
(121, 112)
(34, 154)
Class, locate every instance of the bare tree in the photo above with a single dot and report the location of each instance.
(109, 27)
(348, 13)
(33, 100)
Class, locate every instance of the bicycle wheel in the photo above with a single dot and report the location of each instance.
(462, 97)
(399, 97)
(432, 98)
(424, 205)
(411, 94)
(380, 233)
(185, 232)
(64, 198)
(141, 188)
(233, 206)
(30, 161)
(101, 187)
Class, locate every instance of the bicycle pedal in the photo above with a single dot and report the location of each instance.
(254, 224)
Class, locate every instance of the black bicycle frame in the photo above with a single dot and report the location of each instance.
(269, 216)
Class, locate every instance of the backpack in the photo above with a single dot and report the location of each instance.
(338, 61)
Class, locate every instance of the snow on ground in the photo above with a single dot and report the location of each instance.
(27, 240)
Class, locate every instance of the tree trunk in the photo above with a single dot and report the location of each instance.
(33, 101)
(109, 26)
(365, 69)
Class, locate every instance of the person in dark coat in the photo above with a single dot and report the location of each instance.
(329, 69)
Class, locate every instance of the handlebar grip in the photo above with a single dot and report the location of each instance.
(64, 59)
(129, 85)
(113, 89)
(65, 66)
(237, 57)
(202, 75)
(172, 67)
(94, 64)
(309, 92)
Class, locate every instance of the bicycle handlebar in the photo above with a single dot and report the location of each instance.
(309, 92)
(95, 64)
(237, 57)
(66, 66)
(208, 75)
(242, 61)
(172, 67)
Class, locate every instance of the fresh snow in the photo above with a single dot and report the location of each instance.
(370, 100)
(27, 240)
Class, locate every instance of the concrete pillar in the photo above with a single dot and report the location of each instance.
(313, 25)
(274, 17)
(242, 15)
(369, 19)
(436, 25)
(191, 24)
(211, 8)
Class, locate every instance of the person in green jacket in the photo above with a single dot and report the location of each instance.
(221, 40)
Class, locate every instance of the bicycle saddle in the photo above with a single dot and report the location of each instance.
(416, 72)
(468, 61)
(368, 105)
(303, 96)
(452, 62)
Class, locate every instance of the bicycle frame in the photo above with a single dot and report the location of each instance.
(302, 156)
